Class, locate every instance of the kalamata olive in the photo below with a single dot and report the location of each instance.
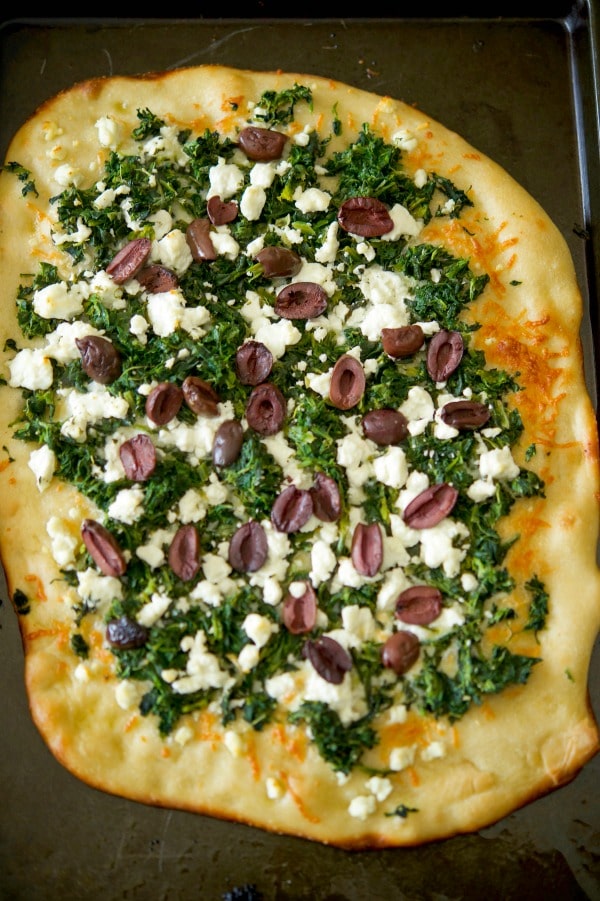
(248, 548)
(400, 652)
(367, 548)
(253, 362)
(227, 443)
(444, 354)
(156, 279)
(138, 456)
(402, 341)
(100, 359)
(125, 633)
(292, 509)
(347, 384)
(385, 426)
(301, 300)
(325, 493)
(419, 605)
(278, 262)
(198, 238)
(221, 212)
(200, 396)
(299, 612)
(266, 409)
(329, 658)
(103, 548)
(365, 216)
(164, 402)
(129, 260)
(184, 552)
(429, 507)
(465, 414)
(261, 144)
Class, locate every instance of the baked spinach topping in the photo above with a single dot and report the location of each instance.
(140, 189)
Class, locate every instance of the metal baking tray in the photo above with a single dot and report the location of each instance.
(523, 88)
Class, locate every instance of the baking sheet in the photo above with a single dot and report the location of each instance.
(524, 90)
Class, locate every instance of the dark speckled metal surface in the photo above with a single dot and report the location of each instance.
(523, 89)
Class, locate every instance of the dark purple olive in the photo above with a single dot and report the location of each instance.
(347, 384)
(266, 409)
(400, 652)
(184, 552)
(156, 279)
(385, 426)
(103, 548)
(444, 354)
(365, 216)
(138, 456)
(329, 658)
(164, 402)
(126, 634)
(200, 396)
(100, 359)
(227, 443)
(248, 548)
(261, 144)
(367, 548)
(292, 509)
(299, 613)
(129, 260)
(221, 212)
(419, 605)
(198, 238)
(327, 502)
(402, 341)
(278, 262)
(465, 414)
(253, 362)
(431, 506)
(301, 300)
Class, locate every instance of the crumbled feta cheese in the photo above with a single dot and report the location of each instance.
(152, 611)
(312, 200)
(248, 657)
(434, 751)
(109, 132)
(226, 179)
(233, 742)
(380, 787)
(391, 468)
(64, 541)
(438, 546)
(498, 463)
(362, 806)
(172, 251)
(127, 694)
(274, 788)
(183, 735)
(402, 757)
(128, 505)
(60, 300)
(259, 628)
(252, 202)
(42, 463)
(203, 668)
(98, 588)
(31, 368)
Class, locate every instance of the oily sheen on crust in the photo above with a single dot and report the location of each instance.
(517, 744)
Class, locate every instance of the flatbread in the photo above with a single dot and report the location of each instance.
(270, 726)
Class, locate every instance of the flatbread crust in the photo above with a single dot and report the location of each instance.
(514, 747)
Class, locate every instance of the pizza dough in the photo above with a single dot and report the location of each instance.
(420, 776)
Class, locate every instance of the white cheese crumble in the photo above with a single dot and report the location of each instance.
(42, 463)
